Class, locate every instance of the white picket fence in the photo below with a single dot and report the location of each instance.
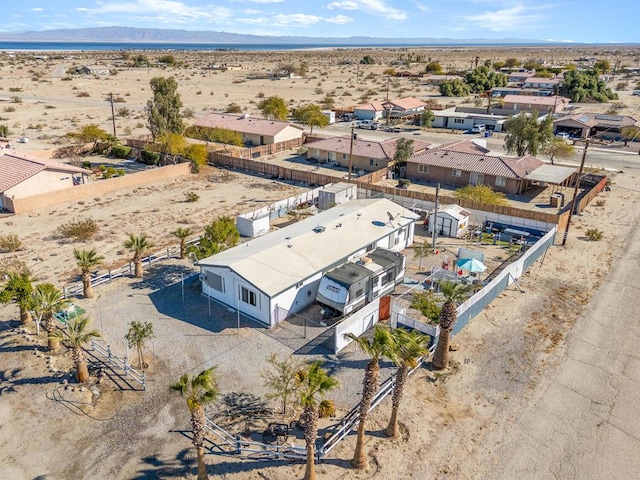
(76, 288)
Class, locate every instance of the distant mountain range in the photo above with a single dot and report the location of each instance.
(157, 35)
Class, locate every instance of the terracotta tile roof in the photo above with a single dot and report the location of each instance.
(16, 169)
(535, 99)
(507, 167)
(384, 150)
(465, 146)
(373, 106)
(406, 103)
(243, 124)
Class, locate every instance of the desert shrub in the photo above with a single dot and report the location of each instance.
(66, 79)
(593, 234)
(188, 113)
(120, 151)
(83, 94)
(149, 158)
(123, 112)
(15, 89)
(600, 203)
(191, 197)
(79, 229)
(404, 183)
(233, 108)
(482, 194)
(14, 99)
(86, 164)
(10, 243)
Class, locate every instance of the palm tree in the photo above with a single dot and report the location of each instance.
(182, 233)
(138, 245)
(77, 335)
(137, 336)
(313, 382)
(87, 260)
(19, 288)
(380, 345)
(409, 347)
(47, 300)
(198, 390)
(454, 293)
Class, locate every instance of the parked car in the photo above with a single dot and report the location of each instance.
(636, 92)
(479, 128)
(563, 135)
(368, 125)
(333, 163)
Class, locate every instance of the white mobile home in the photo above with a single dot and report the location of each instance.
(279, 273)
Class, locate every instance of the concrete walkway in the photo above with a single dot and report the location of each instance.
(586, 422)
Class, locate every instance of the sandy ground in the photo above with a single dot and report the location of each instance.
(451, 424)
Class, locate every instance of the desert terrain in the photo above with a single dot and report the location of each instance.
(453, 425)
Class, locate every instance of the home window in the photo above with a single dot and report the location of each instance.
(344, 156)
(249, 296)
(423, 168)
(358, 293)
(372, 162)
(370, 247)
(316, 152)
(456, 172)
(215, 281)
(458, 120)
(501, 182)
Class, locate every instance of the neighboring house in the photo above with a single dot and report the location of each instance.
(504, 91)
(519, 77)
(583, 125)
(454, 119)
(467, 163)
(278, 274)
(22, 177)
(367, 155)
(439, 79)
(254, 131)
(369, 111)
(542, 83)
(94, 70)
(529, 103)
(404, 107)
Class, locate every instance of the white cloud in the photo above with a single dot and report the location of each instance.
(508, 19)
(347, 5)
(421, 6)
(374, 7)
(36, 9)
(162, 10)
(339, 19)
(296, 19)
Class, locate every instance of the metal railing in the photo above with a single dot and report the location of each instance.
(112, 360)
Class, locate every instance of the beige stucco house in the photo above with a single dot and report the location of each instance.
(254, 131)
(529, 103)
(22, 177)
(368, 155)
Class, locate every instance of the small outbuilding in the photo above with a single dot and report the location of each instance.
(452, 221)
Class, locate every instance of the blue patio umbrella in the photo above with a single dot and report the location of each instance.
(471, 265)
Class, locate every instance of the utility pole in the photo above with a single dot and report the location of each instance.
(434, 234)
(388, 87)
(351, 151)
(113, 114)
(574, 203)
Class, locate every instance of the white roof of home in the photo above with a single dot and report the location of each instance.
(277, 261)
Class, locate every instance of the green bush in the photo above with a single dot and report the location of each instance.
(593, 234)
(426, 303)
(120, 151)
(149, 158)
(86, 164)
(80, 229)
(10, 243)
(191, 197)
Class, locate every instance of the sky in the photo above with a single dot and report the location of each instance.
(583, 21)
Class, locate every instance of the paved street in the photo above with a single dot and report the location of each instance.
(585, 423)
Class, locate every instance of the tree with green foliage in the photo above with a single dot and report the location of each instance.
(19, 288)
(454, 88)
(482, 79)
(274, 108)
(377, 347)
(233, 108)
(163, 110)
(197, 154)
(558, 148)
(139, 245)
(215, 135)
(426, 118)
(282, 378)
(433, 67)
(368, 60)
(630, 133)
(314, 383)
(585, 86)
(497, 65)
(198, 390)
(137, 336)
(426, 303)
(218, 236)
(404, 150)
(182, 233)
(77, 335)
(91, 133)
(312, 116)
(602, 66)
(525, 134)
(512, 62)
(409, 347)
(86, 261)
(454, 293)
(482, 194)
(140, 60)
(47, 301)
(4, 130)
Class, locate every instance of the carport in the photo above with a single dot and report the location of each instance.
(556, 176)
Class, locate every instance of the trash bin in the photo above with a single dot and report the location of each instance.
(486, 134)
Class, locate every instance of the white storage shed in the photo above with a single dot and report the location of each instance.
(452, 221)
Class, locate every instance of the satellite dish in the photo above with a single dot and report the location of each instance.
(391, 219)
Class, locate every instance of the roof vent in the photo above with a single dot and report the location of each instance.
(319, 229)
